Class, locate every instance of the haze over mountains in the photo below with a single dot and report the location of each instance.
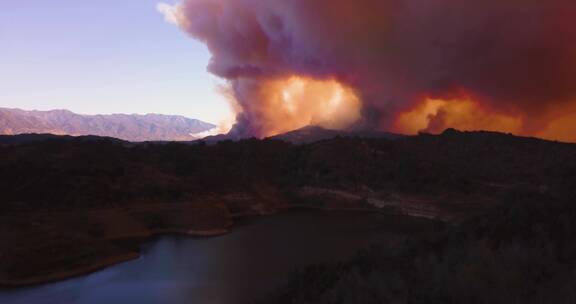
(131, 127)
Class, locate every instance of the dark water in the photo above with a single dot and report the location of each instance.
(246, 264)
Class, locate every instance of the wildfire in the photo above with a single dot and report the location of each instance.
(436, 115)
(562, 124)
(291, 103)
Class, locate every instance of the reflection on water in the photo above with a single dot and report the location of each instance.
(250, 262)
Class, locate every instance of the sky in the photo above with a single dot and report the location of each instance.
(100, 57)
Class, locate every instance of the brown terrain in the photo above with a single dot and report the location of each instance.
(150, 127)
(71, 206)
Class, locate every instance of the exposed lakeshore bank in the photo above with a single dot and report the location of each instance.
(128, 235)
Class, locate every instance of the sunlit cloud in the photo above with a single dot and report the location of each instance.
(170, 12)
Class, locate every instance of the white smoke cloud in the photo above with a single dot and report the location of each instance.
(170, 12)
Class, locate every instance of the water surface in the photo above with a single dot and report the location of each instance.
(252, 261)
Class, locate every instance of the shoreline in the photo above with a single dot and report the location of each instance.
(126, 257)
(104, 263)
(72, 273)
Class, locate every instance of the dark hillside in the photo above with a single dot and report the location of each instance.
(77, 197)
(522, 253)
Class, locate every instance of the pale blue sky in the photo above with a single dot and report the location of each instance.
(102, 56)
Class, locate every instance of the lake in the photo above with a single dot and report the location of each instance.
(253, 260)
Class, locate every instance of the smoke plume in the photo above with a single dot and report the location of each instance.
(411, 65)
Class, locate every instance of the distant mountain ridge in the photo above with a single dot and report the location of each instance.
(130, 127)
(312, 134)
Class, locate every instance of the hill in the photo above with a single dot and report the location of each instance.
(149, 127)
(312, 134)
(81, 199)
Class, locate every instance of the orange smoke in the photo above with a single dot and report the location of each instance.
(435, 115)
(516, 60)
(561, 124)
(294, 102)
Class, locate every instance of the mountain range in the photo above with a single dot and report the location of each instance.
(130, 127)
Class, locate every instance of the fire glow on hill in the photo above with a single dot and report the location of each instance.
(396, 65)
